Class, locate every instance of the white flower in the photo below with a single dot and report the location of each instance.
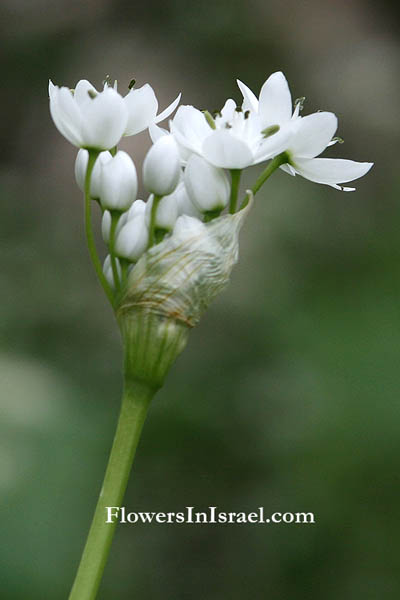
(87, 118)
(118, 182)
(81, 163)
(107, 270)
(162, 167)
(234, 140)
(166, 213)
(274, 106)
(133, 238)
(310, 134)
(142, 107)
(208, 186)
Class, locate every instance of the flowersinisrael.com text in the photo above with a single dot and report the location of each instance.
(211, 515)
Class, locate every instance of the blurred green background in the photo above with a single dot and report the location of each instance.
(287, 394)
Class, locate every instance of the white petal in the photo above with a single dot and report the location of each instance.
(224, 150)
(331, 171)
(142, 107)
(66, 114)
(313, 134)
(81, 93)
(103, 120)
(342, 188)
(228, 110)
(169, 110)
(288, 169)
(275, 104)
(250, 101)
(273, 145)
(155, 132)
(190, 127)
(52, 88)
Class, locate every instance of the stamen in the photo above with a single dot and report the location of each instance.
(209, 119)
(300, 102)
(271, 130)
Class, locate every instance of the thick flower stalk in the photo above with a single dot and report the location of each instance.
(167, 257)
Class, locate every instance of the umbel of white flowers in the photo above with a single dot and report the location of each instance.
(161, 252)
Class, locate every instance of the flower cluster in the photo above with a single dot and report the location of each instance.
(192, 170)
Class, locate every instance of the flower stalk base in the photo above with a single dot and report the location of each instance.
(135, 402)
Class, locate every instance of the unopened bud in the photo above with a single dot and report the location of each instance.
(81, 164)
(162, 167)
(208, 186)
(185, 205)
(133, 238)
(166, 214)
(108, 272)
(137, 208)
(118, 182)
(106, 226)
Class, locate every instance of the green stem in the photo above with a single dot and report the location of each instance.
(114, 222)
(156, 201)
(273, 165)
(124, 270)
(135, 402)
(235, 176)
(93, 154)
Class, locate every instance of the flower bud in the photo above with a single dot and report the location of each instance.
(208, 186)
(81, 163)
(137, 208)
(162, 167)
(187, 227)
(185, 205)
(133, 239)
(108, 272)
(118, 182)
(106, 226)
(166, 214)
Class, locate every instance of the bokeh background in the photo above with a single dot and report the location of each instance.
(287, 395)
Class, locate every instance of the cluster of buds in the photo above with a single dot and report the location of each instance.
(170, 254)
